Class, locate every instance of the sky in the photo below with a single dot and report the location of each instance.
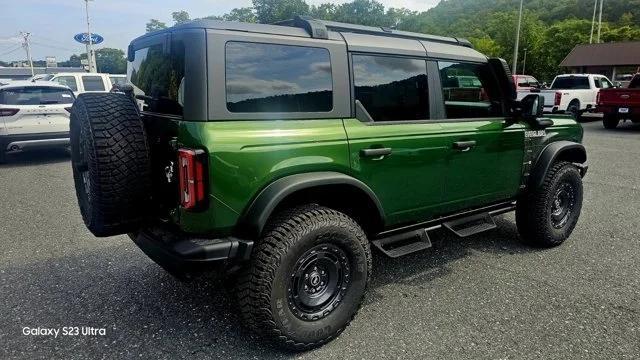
(53, 23)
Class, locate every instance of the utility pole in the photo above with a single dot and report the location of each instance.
(27, 47)
(515, 50)
(593, 21)
(524, 63)
(600, 20)
(90, 55)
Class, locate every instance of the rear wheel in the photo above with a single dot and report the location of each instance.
(110, 162)
(307, 277)
(574, 109)
(546, 216)
(610, 121)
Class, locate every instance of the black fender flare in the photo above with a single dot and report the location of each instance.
(559, 150)
(256, 215)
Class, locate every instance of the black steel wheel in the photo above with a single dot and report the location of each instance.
(547, 215)
(319, 282)
(307, 277)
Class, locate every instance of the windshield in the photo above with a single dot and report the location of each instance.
(35, 96)
(570, 83)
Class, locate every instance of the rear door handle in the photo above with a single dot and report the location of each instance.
(376, 152)
(464, 145)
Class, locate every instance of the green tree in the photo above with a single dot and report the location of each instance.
(155, 24)
(111, 61)
(270, 11)
(245, 14)
(487, 46)
(558, 40)
(180, 17)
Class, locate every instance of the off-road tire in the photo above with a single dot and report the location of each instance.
(534, 210)
(263, 289)
(110, 161)
(610, 121)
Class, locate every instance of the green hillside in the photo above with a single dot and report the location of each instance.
(551, 28)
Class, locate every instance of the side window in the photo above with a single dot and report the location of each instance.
(68, 81)
(606, 83)
(158, 77)
(277, 78)
(469, 90)
(598, 82)
(391, 88)
(93, 83)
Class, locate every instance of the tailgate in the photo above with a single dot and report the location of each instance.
(620, 97)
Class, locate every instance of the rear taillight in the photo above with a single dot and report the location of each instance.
(68, 109)
(557, 99)
(192, 171)
(8, 112)
(598, 98)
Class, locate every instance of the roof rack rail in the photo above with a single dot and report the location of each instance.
(320, 29)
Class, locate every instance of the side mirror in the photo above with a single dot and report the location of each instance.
(530, 109)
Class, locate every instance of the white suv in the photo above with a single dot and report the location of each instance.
(34, 115)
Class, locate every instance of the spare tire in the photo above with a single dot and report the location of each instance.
(111, 163)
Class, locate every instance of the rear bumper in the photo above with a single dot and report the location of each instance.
(184, 256)
(21, 142)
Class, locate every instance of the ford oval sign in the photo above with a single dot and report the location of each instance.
(83, 38)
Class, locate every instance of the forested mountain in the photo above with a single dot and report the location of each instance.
(551, 28)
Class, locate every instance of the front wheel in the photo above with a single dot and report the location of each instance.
(547, 216)
(307, 277)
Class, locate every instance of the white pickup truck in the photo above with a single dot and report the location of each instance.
(574, 93)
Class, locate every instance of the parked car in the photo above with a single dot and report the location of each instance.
(84, 82)
(41, 77)
(574, 93)
(525, 84)
(33, 115)
(278, 155)
(620, 104)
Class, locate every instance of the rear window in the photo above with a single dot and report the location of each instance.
(93, 83)
(68, 81)
(158, 78)
(118, 80)
(278, 78)
(571, 83)
(35, 96)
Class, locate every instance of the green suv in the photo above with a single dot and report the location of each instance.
(279, 155)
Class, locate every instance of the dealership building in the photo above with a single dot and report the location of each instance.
(616, 60)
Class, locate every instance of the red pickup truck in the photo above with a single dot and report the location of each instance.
(620, 104)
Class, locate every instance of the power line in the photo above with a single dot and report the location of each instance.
(11, 51)
(51, 46)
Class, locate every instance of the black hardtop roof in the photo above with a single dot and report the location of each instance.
(303, 26)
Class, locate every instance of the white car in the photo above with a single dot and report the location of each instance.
(84, 82)
(574, 93)
(34, 115)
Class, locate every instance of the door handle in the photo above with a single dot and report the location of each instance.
(464, 145)
(376, 152)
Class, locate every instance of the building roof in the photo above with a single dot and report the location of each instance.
(607, 54)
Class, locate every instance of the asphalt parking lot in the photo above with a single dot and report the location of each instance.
(486, 296)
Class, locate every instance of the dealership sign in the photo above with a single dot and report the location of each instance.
(83, 38)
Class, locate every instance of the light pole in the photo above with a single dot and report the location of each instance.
(27, 47)
(90, 55)
(524, 63)
(593, 21)
(600, 21)
(515, 50)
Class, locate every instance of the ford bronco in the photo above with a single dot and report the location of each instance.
(279, 155)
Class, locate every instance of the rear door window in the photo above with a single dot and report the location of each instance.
(35, 96)
(391, 88)
(93, 83)
(277, 78)
(158, 78)
(68, 81)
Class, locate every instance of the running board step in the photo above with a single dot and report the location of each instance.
(471, 225)
(402, 244)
